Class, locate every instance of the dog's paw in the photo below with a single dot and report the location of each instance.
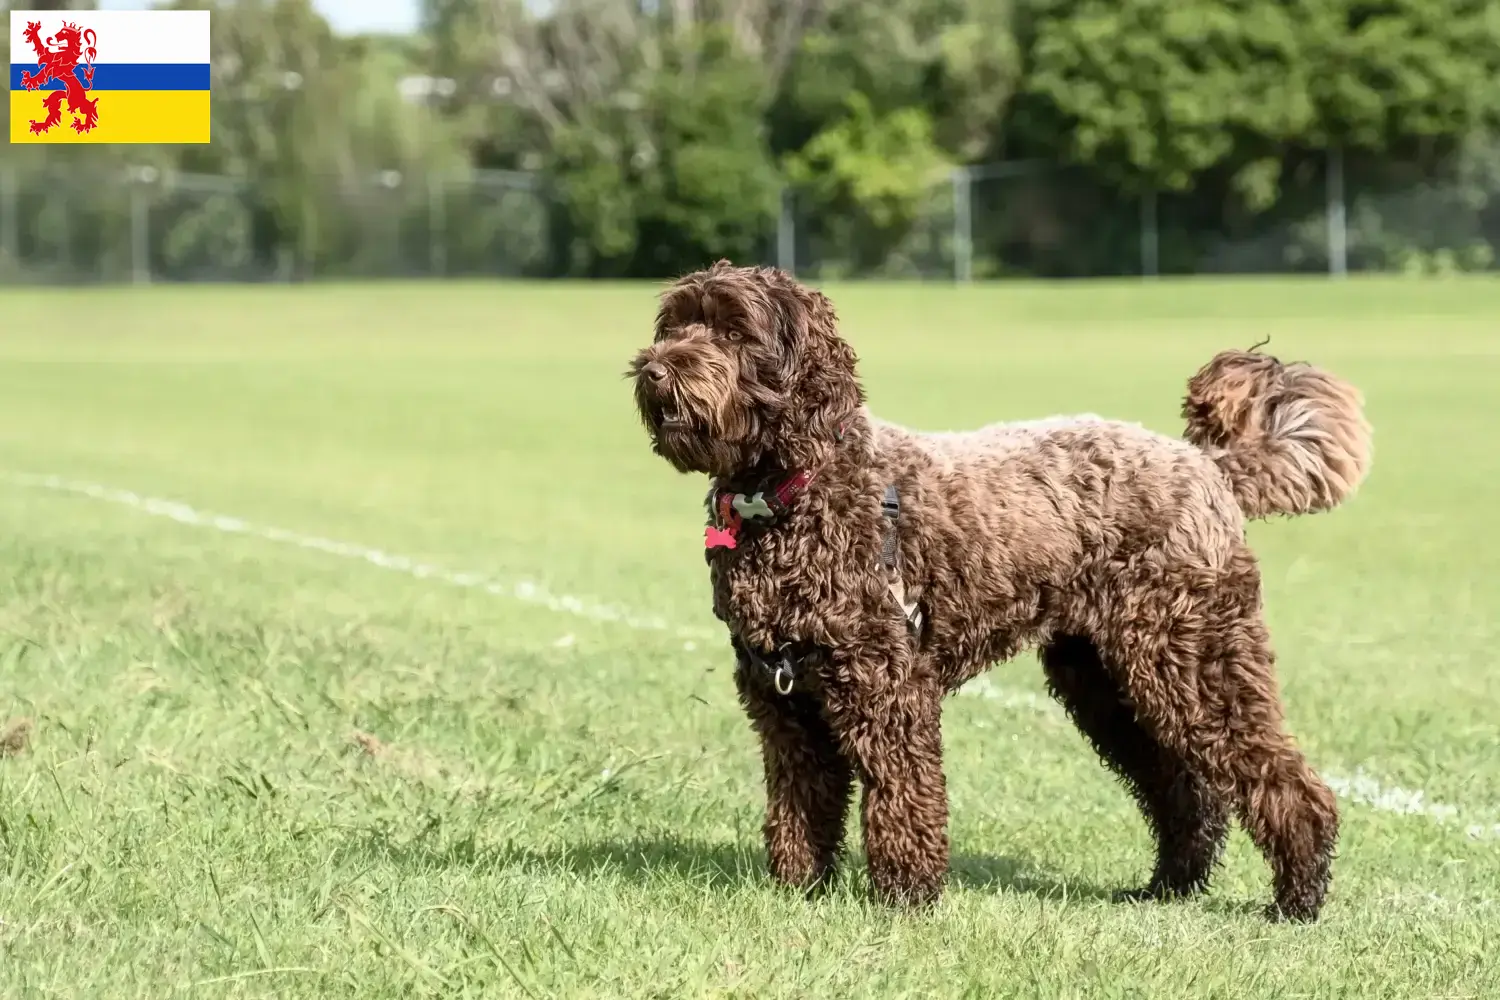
(1278, 913)
(910, 896)
(1140, 894)
(1157, 892)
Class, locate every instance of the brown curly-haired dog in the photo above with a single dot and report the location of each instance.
(865, 571)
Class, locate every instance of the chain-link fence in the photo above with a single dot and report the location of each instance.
(1021, 219)
(80, 224)
(1039, 220)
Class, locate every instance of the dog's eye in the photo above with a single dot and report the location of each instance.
(735, 335)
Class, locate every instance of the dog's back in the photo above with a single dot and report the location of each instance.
(1067, 492)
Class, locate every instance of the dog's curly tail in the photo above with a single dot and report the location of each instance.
(1291, 438)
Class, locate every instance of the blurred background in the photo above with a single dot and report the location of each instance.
(940, 139)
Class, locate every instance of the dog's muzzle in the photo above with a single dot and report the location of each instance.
(654, 388)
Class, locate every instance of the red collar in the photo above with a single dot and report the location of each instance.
(730, 511)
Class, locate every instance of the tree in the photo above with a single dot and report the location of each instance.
(880, 102)
(869, 177)
(958, 60)
(1155, 93)
(317, 124)
(647, 122)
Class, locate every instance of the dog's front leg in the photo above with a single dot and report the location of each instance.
(808, 779)
(888, 719)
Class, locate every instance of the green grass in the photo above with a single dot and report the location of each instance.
(567, 807)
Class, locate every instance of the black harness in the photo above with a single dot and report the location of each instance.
(781, 665)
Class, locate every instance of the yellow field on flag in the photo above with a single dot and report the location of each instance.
(125, 116)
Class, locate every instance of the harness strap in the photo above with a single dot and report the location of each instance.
(783, 671)
(780, 664)
(890, 506)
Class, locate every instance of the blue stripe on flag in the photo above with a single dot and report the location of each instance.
(127, 76)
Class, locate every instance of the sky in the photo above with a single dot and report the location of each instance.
(346, 16)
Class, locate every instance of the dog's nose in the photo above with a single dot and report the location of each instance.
(655, 371)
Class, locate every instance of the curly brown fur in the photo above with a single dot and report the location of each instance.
(1292, 439)
(1121, 553)
(1189, 821)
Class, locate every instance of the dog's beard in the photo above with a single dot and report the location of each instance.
(698, 420)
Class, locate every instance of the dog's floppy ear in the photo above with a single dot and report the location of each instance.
(825, 389)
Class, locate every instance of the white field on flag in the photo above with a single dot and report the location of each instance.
(124, 36)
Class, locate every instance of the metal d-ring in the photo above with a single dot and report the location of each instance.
(784, 674)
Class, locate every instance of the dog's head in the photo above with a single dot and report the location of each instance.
(746, 370)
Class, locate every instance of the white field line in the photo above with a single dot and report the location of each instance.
(1359, 787)
(527, 591)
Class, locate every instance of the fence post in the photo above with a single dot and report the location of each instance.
(786, 233)
(963, 225)
(10, 222)
(140, 225)
(1150, 237)
(1338, 233)
(437, 227)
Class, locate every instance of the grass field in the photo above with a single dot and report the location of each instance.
(564, 799)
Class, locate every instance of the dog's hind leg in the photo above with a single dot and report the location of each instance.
(1203, 683)
(808, 780)
(1188, 820)
(1286, 808)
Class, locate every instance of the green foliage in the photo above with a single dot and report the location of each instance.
(495, 226)
(880, 167)
(714, 191)
(1403, 221)
(957, 59)
(316, 121)
(679, 175)
(461, 38)
(1405, 71)
(306, 125)
(592, 181)
(979, 69)
(873, 173)
(1156, 92)
(661, 136)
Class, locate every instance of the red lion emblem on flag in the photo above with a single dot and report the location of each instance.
(56, 58)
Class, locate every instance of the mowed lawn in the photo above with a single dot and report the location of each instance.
(265, 765)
